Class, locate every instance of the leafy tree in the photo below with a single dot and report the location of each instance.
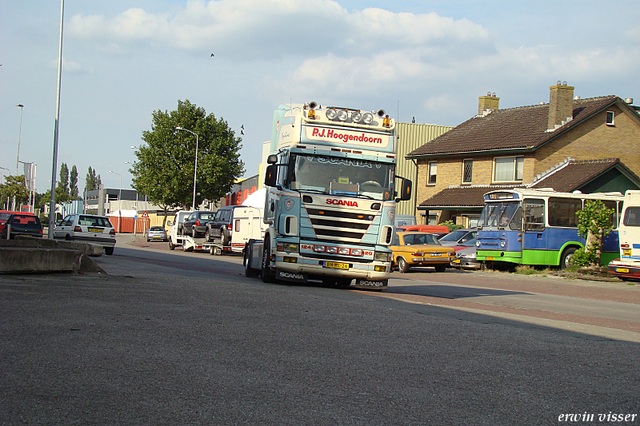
(164, 169)
(73, 183)
(63, 183)
(594, 223)
(92, 181)
(14, 187)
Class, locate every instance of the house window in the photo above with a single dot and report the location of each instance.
(508, 169)
(433, 171)
(611, 118)
(467, 171)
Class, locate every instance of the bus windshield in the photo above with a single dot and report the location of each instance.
(342, 176)
(501, 215)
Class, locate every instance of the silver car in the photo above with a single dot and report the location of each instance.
(156, 233)
(466, 259)
(87, 228)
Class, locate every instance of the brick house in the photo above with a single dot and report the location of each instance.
(568, 144)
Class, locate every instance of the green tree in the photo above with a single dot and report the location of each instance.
(14, 186)
(92, 181)
(595, 221)
(164, 169)
(73, 183)
(63, 183)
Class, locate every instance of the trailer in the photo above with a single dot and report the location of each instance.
(187, 242)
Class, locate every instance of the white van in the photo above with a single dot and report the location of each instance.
(628, 266)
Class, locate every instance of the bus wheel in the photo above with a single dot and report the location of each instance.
(567, 255)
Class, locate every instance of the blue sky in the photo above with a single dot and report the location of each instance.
(424, 59)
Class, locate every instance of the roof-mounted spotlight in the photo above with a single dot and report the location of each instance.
(331, 114)
(381, 113)
(367, 118)
(356, 116)
(313, 105)
(342, 115)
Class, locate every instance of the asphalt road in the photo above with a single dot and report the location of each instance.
(185, 339)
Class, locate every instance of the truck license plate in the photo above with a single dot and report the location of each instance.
(336, 265)
(625, 270)
(490, 258)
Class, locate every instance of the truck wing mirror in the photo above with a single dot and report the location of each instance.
(405, 190)
(270, 175)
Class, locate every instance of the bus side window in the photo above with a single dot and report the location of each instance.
(534, 215)
(614, 217)
(564, 212)
(632, 216)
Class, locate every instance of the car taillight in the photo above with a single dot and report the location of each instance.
(229, 226)
(112, 232)
(40, 231)
(197, 223)
(77, 229)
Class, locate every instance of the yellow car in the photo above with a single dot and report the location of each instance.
(420, 249)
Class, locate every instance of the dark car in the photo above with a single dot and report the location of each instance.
(196, 224)
(220, 228)
(458, 237)
(23, 225)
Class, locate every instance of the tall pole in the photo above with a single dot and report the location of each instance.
(195, 169)
(54, 166)
(19, 135)
(119, 200)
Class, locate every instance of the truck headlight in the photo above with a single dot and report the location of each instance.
(382, 256)
(289, 247)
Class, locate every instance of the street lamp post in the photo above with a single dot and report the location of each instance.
(119, 199)
(195, 169)
(19, 135)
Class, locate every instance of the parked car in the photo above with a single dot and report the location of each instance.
(220, 229)
(466, 259)
(458, 237)
(87, 228)
(432, 229)
(420, 249)
(156, 233)
(465, 245)
(21, 225)
(196, 224)
(4, 215)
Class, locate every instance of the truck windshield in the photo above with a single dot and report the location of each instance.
(342, 176)
(501, 216)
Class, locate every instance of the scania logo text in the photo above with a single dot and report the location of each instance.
(336, 202)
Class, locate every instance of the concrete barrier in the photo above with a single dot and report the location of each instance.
(39, 255)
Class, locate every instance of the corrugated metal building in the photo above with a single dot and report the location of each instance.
(410, 137)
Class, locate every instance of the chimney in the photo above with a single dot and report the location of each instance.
(560, 105)
(489, 102)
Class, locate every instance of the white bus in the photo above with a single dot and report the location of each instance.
(628, 266)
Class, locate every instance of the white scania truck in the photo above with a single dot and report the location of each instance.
(331, 197)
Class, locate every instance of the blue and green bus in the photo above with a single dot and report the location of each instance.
(539, 227)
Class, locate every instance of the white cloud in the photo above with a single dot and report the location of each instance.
(277, 28)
